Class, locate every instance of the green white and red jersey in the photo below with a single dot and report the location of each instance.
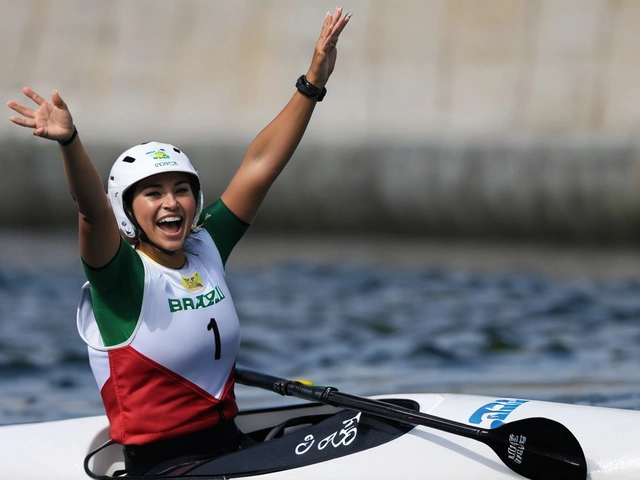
(163, 342)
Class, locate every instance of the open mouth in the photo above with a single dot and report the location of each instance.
(170, 225)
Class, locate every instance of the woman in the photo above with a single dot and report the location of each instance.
(156, 312)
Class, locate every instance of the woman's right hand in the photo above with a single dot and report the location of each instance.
(52, 120)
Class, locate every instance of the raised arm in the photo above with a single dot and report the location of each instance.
(99, 237)
(270, 151)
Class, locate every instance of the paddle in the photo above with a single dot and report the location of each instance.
(536, 448)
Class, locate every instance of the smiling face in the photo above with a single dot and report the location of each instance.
(164, 206)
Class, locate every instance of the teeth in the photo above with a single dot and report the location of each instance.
(170, 219)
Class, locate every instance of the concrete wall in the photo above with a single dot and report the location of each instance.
(465, 117)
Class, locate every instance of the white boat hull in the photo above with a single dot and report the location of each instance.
(609, 439)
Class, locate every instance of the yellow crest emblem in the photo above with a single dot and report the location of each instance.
(192, 283)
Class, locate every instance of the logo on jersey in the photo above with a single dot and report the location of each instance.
(199, 301)
(192, 283)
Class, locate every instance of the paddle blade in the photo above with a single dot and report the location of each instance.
(538, 448)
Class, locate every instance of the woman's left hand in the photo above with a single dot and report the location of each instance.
(325, 54)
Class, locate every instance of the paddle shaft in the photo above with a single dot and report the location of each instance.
(562, 458)
(331, 396)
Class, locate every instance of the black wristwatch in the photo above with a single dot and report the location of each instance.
(309, 90)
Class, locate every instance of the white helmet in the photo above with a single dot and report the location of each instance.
(140, 162)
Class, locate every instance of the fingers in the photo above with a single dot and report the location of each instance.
(326, 26)
(26, 112)
(340, 24)
(57, 100)
(330, 21)
(33, 96)
(50, 120)
(332, 28)
(325, 52)
(21, 109)
(23, 122)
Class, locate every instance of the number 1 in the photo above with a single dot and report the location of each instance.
(213, 325)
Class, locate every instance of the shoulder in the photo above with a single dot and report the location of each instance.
(201, 245)
(224, 227)
(125, 264)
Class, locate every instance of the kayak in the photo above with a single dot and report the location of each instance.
(315, 440)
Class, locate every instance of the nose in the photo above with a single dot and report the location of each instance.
(170, 201)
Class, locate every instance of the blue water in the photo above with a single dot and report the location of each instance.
(365, 329)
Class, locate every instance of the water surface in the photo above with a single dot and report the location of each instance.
(364, 327)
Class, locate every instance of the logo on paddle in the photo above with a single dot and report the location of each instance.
(516, 448)
(339, 438)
